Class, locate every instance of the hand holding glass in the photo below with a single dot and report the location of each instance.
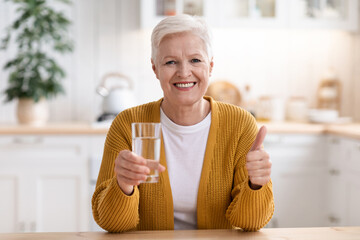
(146, 139)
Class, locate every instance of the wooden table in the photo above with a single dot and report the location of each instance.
(326, 233)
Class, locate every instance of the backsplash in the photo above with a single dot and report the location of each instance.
(275, 62)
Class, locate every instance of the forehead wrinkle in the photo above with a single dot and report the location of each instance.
(177, 53)
(174, 49)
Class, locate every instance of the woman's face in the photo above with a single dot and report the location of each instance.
(183, 68)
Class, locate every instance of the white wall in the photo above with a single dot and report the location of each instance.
(281, 62)
(285, 62)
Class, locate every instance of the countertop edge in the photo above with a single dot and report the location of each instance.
(82, 128)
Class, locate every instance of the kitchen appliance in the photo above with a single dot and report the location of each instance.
(116, 97)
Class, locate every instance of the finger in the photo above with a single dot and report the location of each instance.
(255, 165)
(260, 173)
(155, 165)
(257, 155)
(259, 180)
(161, 168)
(132, 157)
(259, 139)
(128, 181)
(131, 175)
(134, 167)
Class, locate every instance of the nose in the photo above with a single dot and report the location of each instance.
(184, 70)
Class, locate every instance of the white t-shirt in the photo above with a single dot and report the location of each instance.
(185, 149)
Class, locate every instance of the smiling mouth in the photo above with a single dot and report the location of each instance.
(185, 85)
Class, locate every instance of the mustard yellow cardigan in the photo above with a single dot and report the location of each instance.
(224, 199)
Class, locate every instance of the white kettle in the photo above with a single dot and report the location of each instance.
(117, 97)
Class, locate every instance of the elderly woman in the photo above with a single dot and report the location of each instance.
(213, 171)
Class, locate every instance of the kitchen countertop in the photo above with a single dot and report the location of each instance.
(326, 233)
(54, 128)
(293, 127)
(347, 130)
(351, 130)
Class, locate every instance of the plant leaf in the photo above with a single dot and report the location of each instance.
(32, 72)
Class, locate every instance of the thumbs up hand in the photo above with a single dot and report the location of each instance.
(258, 162)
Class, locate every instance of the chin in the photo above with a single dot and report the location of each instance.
(189, 101)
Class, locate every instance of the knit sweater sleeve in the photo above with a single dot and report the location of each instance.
(113, 210)
(249, 209)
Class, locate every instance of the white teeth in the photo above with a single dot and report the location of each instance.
(184, 85)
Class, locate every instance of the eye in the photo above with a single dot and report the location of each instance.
(170, 62)
(195, 60)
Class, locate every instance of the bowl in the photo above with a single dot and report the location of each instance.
(323, 115)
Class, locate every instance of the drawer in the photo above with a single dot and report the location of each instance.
(26, 148)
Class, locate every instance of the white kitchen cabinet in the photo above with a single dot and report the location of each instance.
(352, 216)
(248, 13)
(324, 14)
(44, 182)
(336, 199)
(153, 11)
(298, 176)
(352, 181)
(316, 180)
(307, 14)
(9, 185)
(231, 13)
(96, 152)
(344, 181)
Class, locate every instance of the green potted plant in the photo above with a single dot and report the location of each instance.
(39, 33)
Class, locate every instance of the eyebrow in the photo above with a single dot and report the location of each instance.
(191, 55)
(168, 57)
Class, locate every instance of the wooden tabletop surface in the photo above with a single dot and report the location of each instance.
(326, 233)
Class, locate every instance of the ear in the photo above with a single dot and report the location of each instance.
(211, 66)
(154, 68)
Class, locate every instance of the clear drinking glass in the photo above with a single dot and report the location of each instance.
(146, 139)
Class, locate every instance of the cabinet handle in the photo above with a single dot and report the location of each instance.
(333, 219)
(19, 140)
(33, 227)
(334, 172)
(21, 227)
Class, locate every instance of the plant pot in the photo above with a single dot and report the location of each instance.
(32, 113)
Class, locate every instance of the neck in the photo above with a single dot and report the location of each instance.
(186, 115)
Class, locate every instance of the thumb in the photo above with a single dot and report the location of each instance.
(259, 139)
(161, 168)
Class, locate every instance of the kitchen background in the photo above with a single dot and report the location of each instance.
(282, 49)
(281, 58)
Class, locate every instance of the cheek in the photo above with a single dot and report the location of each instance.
(169, 72)
(205, 73)
(165, 75)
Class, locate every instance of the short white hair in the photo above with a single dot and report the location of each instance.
(181, 24)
